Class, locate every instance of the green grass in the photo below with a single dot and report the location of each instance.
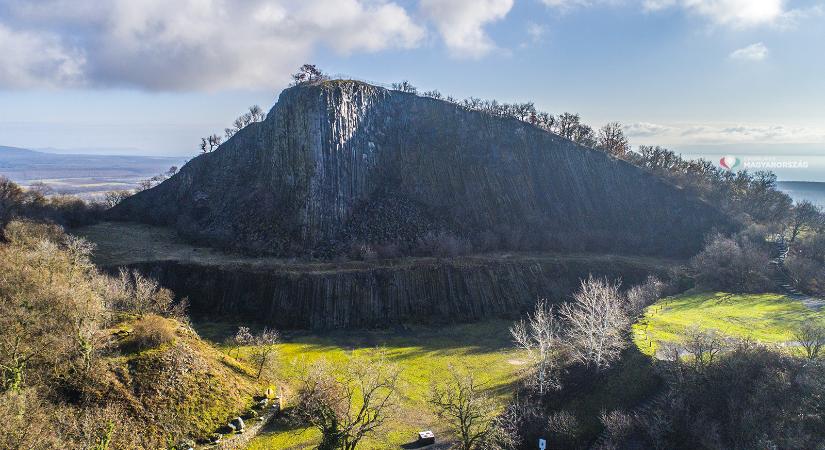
(424, 355)
(765, 318)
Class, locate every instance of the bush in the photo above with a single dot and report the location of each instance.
(751, 397)
(442, 244)
(731, 265)
(133, 292)
(152, 331)
(808, 274)
(643, 295)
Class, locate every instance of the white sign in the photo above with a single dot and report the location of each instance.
(542, 444)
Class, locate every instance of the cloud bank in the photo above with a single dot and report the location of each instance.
(186, 44)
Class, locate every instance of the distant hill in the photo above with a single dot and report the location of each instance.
(813, 191)
(87, 175)
(343, 163)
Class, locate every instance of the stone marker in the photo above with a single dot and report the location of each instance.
(426, 437)
(237, 425)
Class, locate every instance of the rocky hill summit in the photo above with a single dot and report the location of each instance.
(339, 164)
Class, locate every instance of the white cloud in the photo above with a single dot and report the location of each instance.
(461, 23)
(645, 129)
(738, 13)
(722, 133)
(30, 58)
(753, 52)
(187, 44)
(568, 4)
(536, 31)
(734, 13)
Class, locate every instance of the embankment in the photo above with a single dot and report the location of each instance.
(353, 294)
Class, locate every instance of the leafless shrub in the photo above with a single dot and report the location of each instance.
(729, 265)
(241, 338)
(643, 295)
(442, 244)
(596, 322)
(811, 337)
(541, 337)
(152, 331)
(113, 198)
(133, 292)
(807, 274)
(348, 403)
(362, 251)
(617, 423)
(563, 427)
(703, 345)
(461, 401)
(264, 348)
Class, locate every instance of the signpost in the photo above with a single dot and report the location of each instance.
(542, 444)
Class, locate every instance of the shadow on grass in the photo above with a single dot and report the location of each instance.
(489, 336)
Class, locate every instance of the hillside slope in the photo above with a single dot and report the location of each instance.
(343, 162)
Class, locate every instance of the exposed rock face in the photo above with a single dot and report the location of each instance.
(343, 162)
(383, 294)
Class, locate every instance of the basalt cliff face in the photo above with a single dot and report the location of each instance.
(386, 294)
(342, 162)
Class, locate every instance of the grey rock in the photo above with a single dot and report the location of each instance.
(343, 162)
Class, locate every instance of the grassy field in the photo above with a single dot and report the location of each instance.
(424, 355)
(766, 318)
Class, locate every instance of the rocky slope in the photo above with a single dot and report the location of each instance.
(427, 291)
(354, 294)
(343, 162)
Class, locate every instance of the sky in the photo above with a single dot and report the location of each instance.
(709, 78)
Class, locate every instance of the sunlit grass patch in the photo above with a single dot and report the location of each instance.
(424, 355)
(766, 318)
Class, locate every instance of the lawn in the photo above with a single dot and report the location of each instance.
(424, 355)
(767, 318)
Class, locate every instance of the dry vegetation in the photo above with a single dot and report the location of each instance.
(92, 361)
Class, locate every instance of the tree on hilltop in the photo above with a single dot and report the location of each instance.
(308, 73)
(612, 140)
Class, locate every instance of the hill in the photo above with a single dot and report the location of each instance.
(93, 361)
(343, 163)
(86, 175)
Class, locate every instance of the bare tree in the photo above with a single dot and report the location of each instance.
(346, 404)
(214, 142)
(567, 125)
(732, 265)
(242, 338)
(433, 94)
(462, 402)
(405, 86)
(703, 345)
(612, 140)
(643, 295)
(811, 337)
(804, 214)
(523, 111)
(545, 121)
(257, 113)
(540, 335)
(113, 198)
(584, 135)
(596, 322)
(264, 348)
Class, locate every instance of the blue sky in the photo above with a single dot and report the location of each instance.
(705, 77)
